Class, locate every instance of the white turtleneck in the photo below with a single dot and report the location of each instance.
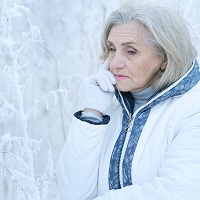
(142, 97)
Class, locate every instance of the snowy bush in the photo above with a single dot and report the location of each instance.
(19, 154)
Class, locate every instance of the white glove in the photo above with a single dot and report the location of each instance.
(97, 91)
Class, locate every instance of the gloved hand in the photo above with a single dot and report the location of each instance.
(97, 91)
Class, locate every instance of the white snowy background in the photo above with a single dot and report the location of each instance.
(46, 49)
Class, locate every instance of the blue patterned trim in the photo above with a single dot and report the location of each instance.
(179, 88)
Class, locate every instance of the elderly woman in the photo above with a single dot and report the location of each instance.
(138, 135)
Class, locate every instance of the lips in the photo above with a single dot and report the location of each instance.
(120, 77)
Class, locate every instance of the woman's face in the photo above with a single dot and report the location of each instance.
(134, 63)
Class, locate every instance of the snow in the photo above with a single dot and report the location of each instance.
(46, 49)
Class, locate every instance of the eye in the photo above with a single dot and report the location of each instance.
(112, 49)
(130, 51)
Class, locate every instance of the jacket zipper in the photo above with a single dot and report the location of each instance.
(128, 132)
(129, 122)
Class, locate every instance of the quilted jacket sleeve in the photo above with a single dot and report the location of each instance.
(77, 166)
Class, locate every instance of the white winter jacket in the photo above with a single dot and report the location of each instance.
(159, 159)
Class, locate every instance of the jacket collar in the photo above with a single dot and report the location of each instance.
(180, 87)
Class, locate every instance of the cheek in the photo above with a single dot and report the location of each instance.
(143, 73)
(150, 66)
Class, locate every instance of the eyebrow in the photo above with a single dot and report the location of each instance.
(124, 43)
(127, 43)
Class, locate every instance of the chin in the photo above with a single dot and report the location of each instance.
(123, 89)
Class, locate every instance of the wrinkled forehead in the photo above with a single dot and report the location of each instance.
(128, 32)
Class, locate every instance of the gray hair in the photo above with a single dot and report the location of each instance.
(167, 32)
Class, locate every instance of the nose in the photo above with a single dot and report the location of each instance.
(116, 62)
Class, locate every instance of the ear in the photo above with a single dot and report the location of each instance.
(163, 66)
